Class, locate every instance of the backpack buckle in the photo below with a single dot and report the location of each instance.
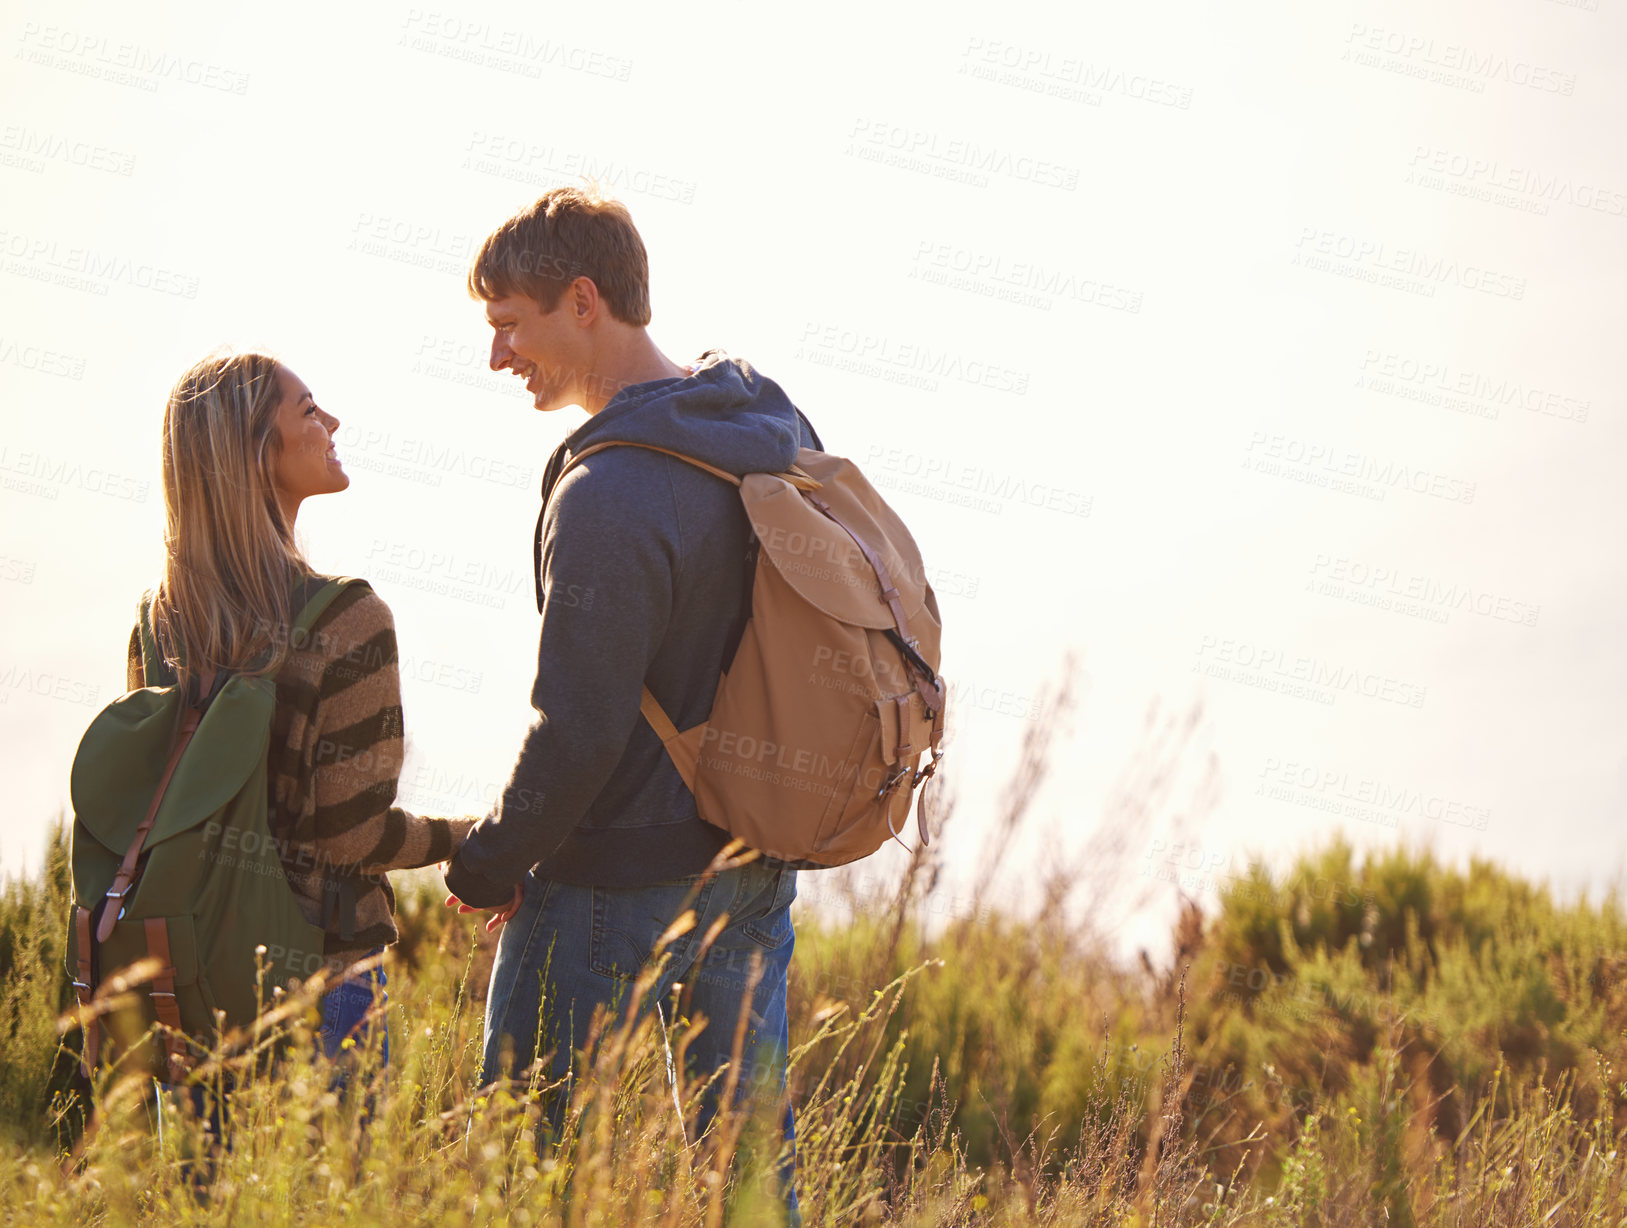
(887, 785)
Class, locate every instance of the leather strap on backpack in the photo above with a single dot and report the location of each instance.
(82, 989)
(176, 1058)
(794, 475)
(668, 733)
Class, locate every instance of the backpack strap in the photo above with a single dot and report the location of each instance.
(318, 602)
(312, 600)
(795, 475)
(668, 733)
(89, 1024)
(154, 671)
(176, 1058)
(628, 443)
(649, 705)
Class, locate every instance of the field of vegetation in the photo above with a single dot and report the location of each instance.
(1358, 1040)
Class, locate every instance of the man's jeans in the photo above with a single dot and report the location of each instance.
(591, 942)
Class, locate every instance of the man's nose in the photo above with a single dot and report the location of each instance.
(500, 354)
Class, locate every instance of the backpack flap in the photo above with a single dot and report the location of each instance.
(117, 767)
(229, 745)
(822, 561)
(123, 754)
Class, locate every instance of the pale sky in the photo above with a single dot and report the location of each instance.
(1266, 357)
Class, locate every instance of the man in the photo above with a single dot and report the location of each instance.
(596, 846)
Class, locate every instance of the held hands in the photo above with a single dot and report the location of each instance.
(500, 916)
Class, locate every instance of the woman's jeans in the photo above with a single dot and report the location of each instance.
(570, 949)
(344, 1016)
(344, 1013)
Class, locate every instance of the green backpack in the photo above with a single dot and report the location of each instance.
(174, 861)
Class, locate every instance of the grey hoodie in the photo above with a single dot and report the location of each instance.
(642, 566)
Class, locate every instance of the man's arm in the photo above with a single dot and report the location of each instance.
(609, 559)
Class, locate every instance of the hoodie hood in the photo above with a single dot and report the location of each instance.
(725, 414)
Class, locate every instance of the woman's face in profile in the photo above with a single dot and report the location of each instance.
(306, 462)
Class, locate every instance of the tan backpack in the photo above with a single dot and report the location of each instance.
(813, 745)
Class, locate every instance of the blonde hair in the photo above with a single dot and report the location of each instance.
(230, 557)
(568, 233)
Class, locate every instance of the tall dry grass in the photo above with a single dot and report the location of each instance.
(1419, 1046)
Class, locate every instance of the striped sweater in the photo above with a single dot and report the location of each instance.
(334, 759)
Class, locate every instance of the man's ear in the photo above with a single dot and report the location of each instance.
(584, 300)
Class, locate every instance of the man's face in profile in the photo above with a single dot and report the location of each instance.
(545, 348)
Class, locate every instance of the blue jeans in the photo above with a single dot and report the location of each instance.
(591, 942)
(344, 1014)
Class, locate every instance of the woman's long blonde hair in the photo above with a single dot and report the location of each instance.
(231, 561)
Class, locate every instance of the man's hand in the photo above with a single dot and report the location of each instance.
(500, 916)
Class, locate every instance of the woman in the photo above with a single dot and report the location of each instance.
(245, 444)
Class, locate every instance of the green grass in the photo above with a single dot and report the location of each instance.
(1361, 1040)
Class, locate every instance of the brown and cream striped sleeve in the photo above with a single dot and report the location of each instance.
(359, 745)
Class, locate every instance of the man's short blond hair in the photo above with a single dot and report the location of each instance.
(569, 232)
